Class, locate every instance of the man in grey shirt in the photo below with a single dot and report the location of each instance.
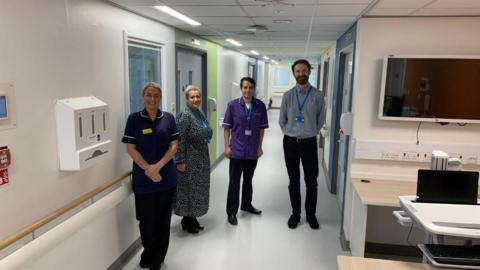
(302, 115)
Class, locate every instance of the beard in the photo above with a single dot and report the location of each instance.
(302, 80)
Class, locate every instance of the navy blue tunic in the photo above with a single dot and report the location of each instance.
(152, 140)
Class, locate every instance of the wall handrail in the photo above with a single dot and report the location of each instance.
(59, 212)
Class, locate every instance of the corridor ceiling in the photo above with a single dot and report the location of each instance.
(293, 28)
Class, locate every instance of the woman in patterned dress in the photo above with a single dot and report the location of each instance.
(193, 162)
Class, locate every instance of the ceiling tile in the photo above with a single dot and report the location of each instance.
(136, 2)
(390, 11)
(173, 3)
(402, 3)
(345, 1)
(279, 11)
(340, 10)
(225, 20)
(335, 19)
(204, 11)
(455, 4)
(446, 12)
(271, 3)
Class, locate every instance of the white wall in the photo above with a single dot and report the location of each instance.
(232, 66)
(378, 37)
(60, 49)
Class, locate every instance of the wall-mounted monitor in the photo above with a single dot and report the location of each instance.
(3, 107)
(430, 88)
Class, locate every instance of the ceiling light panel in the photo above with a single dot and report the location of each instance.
(234, 42)
(177, 15)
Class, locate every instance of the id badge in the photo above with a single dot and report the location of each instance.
(300, 119)
(248, 132)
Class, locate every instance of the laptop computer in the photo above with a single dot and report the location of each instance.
(458, 187)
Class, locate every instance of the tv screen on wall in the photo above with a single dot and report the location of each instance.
(431, 88)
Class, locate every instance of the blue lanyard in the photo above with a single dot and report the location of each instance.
(300, 107)
(248, 112)
(203, 123)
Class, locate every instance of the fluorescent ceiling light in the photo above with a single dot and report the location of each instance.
(177, 15)
(234, 42)
(266, 57)
(254, 52)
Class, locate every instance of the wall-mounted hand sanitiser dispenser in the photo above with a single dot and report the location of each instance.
(83, 132)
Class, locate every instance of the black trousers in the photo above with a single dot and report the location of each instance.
(154, 212)
(304, 150)
(236, 168)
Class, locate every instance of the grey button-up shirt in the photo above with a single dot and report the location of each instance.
(313, 112)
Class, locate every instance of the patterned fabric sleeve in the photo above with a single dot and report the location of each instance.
(183, 125)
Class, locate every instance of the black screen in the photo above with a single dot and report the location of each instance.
(447, 186)
(438, 88)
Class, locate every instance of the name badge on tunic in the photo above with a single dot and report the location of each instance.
(248, 132)
(300, 119)
(147, 131)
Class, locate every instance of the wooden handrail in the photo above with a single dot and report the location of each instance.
(57, 213)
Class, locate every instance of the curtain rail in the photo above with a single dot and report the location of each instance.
(57, 213)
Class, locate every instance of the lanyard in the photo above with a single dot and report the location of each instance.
(300, 107)
(203, 123)
(248, 114)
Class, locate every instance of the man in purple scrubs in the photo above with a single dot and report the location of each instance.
(244, 125)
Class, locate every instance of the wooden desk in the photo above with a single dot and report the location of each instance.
(375, 193)
(383, 192)
(358, 263)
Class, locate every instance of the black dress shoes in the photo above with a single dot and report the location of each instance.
(189, 225)
(312, 220)
(251, 210)
(293, 221)
(232, 219)
(197, 225)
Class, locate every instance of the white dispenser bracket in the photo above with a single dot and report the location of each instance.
(83, 132)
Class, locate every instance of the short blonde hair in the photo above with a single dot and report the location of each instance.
(191, 88)
(152, 85)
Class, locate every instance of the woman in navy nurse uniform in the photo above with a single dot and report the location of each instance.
(151, 136)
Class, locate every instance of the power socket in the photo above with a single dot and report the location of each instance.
(411, 156)
(390, 156)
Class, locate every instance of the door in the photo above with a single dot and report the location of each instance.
(191, 69)
(341, 152)
(347, 72)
